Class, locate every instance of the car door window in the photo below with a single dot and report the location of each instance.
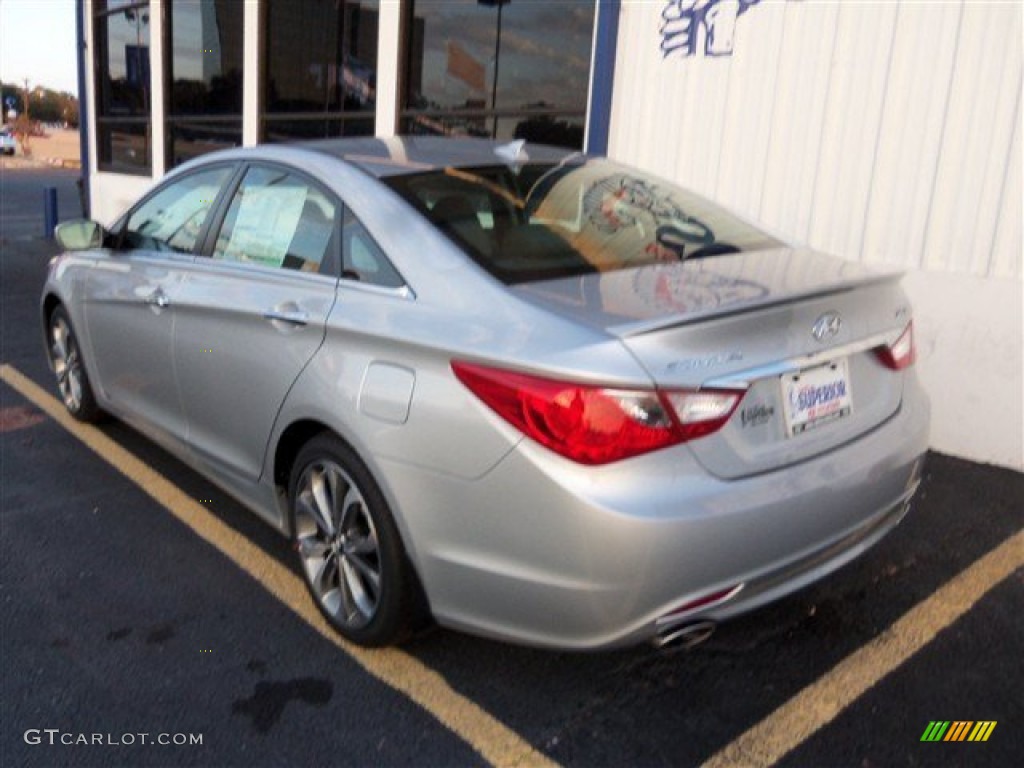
(172, 219)
(277, 219)
(363, 259)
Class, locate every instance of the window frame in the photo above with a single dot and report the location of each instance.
(100, 64)
(175, 120)
(330, 267)
(331, 123)
(120, 228)
(489, 115)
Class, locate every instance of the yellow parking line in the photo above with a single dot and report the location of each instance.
(823, 700)
(494, 741)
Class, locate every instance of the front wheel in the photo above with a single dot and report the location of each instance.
(348, 545)
(66, 361)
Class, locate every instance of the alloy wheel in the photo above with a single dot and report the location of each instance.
(338, 545)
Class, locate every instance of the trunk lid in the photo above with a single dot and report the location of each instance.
(747, 321)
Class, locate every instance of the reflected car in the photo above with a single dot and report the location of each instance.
(534, 395)
(8, 145)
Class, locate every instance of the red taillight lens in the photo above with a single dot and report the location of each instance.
(592, 424)
(901, 353)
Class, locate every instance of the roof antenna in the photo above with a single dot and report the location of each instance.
(513, 153)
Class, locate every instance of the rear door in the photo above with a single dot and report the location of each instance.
(131, 293)
(252, 313)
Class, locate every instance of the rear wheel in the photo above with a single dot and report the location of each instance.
(348, 545)
(66, 360)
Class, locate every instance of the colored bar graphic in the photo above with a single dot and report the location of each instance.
(935, 730)
(958, 730)
(982, 730)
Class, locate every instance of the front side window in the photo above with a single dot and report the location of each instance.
(123, 98)
(173, 218)
(547, 221)
(278, 220)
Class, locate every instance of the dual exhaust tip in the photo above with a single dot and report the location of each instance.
(686, 636)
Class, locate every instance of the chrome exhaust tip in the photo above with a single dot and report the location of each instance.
(687, 636)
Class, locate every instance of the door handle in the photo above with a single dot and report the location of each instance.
(158, 298)
(292, 317)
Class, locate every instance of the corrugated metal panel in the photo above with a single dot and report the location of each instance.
(885, 131)
(1006, 250)
(976, 143)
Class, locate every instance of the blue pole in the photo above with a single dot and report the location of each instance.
(49, 211)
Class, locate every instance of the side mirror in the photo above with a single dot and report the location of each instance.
(79, 235)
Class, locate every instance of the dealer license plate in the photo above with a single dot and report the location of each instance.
(816, 396)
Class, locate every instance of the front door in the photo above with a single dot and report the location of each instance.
(130, 300)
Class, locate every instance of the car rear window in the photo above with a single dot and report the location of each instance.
(543, 221)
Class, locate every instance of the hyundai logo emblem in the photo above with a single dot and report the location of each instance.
(826, 326)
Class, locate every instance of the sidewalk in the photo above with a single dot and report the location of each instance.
(59, 148)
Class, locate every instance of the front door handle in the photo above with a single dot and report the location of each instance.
(292, 317)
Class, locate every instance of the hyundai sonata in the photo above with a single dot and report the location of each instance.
(546, 397)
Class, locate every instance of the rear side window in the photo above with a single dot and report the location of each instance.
(172, 219)
(362, 258)
(279, 220)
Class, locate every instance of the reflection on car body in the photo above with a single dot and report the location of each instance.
(537, 396)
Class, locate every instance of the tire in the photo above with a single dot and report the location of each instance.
(66, 361)
(348, 546)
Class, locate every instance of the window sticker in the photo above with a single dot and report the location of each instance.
(265, 225)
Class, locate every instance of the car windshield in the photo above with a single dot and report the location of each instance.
(543, 221)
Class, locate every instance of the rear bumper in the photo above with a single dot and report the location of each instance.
(544, 552)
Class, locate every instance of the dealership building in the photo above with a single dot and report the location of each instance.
(886, 132)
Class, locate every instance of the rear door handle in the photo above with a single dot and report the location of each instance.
(158, 298)
(292, 317)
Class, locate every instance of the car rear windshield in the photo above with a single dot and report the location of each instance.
(544, 221)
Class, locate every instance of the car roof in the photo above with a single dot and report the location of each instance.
(417, 154)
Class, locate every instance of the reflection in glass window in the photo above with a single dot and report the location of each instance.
(123, 99)
(277, 220)
(205, 102)
(547, 221)
(504, 68)
(362, 258)
(321, 68)
(172, 219)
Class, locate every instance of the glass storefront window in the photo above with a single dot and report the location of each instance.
(321, 68)
(123, 98)
(303, 128)
(503, 68)
(205, 76)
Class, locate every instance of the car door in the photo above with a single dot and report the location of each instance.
(253, 313)
(130, 294)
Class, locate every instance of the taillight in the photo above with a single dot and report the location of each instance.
(902, 352)
(592, 424)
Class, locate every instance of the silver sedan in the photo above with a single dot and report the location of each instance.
(537, 396)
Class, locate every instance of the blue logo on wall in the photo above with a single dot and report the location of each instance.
(685, 24)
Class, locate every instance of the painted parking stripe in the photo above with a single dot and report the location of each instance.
(823, 700)
(494, 741)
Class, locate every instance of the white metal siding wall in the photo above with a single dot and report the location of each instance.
(884, 131)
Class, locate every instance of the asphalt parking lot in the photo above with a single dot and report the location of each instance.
(139, 599)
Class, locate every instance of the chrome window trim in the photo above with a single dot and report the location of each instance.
(745, 378)
(401, 292)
